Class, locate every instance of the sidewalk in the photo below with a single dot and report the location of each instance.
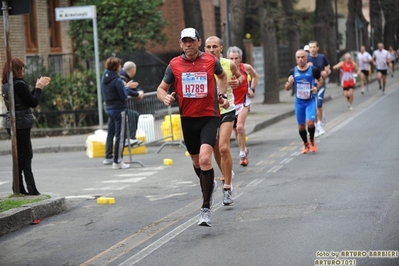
(261, 116)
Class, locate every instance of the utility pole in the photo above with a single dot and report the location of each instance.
(11, 106)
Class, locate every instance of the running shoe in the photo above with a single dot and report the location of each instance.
(321, 130)
(380, 87)
(205, 217)
(227, 197)
(350, 108)
(244, 160)
(312, 145)
(362, 90)
(305, 148)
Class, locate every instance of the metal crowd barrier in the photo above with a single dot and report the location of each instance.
(150, 117)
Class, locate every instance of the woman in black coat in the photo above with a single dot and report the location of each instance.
(24, 100)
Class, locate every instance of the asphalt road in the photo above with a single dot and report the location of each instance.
(288, 206)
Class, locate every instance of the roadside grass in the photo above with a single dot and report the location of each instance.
(17, 201)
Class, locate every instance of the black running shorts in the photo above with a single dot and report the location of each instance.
(382, 71)
(365, 72)
(228, 117)
(198, 131)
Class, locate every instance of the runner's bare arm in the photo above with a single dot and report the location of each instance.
(254, 76)
(356, 68)
(237, 81)
(326, 71)
(162, 94)
(222, 82)
(338, 66)
(289, 83)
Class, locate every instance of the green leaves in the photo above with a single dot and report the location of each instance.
(123, 26)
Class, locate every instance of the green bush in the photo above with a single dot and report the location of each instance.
(75, 92)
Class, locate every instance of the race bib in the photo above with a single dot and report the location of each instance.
(303, 91)
(347, 76)
(195, 85)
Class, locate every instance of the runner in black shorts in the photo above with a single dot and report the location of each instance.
(198, 131)
(193, 75)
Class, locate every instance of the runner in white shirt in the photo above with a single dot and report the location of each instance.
(381, 61)
(364, 59)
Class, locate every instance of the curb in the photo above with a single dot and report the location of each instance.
(18, 218)
(48, 149)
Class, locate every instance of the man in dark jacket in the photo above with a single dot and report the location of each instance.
(126, 74)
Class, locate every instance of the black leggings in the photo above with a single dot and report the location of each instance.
(25, 155)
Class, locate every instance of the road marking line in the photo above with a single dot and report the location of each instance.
(260, 170)
(83, 197)
(136, 174)
(283, 154)
(272, 162)
(4, 182)
(130, 180)
(352, 117)
(287, 160)
(165, 239)
(283, 148)
(157, 197)
(252, 183)
(261, 162)
(296, 154)
(275, 169)
(105, 188)
(272, 155)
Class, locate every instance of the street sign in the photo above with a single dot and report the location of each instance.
(74, 13)
(79, 13)
(18, 7)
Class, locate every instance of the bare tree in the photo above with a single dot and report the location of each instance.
(331, 24)
(193, 16)
(388, 6)
(356, 26)
(376, 22)
(325, 30)
(237, 10)
(266, 13)
(319, 24)
(292, 29)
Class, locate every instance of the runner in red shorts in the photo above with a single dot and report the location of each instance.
(242, 99)
(348, 69)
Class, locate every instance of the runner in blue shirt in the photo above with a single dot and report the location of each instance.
(319, 61)
(302, 80)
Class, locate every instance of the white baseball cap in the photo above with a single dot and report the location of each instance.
(189, 33)
(306, 48)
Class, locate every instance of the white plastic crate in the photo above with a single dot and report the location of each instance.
(146, 123)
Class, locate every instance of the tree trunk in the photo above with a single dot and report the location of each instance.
(332, 53)
(397, 25)
(376, 23)
(351, 29)
(193, 17)
(364, 39)
(292, 29)
(269, 42)
(319, 25)
(237, 10)
(325, 29)
(388, 7)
